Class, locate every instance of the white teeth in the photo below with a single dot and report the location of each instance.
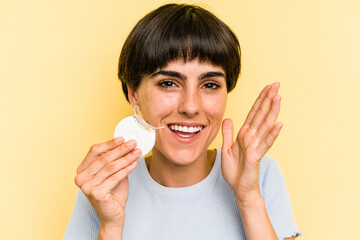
(186, 129)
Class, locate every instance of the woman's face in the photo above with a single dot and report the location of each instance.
(189, 99)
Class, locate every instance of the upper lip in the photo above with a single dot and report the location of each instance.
(188, 124)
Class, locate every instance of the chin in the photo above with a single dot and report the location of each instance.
(181, 156)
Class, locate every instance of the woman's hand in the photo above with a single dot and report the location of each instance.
(102, 177)
(241, 160)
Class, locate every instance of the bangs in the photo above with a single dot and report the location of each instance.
(187, 36)
(174, 32)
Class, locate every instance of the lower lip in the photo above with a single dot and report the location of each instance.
(186, 139)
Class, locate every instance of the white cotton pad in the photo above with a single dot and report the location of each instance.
(130, 128)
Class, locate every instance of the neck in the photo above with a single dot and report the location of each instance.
(173, 175)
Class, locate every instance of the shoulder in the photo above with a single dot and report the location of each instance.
(270, 171)
(268, 163)
(271, 180)
(277, 200)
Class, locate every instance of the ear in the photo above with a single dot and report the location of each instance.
(133, 96)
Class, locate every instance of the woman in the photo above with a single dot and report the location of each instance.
(178, 64)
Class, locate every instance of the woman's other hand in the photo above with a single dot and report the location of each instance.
(241, 160)
(102, 177)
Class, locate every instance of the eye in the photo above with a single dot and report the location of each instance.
(211, 85)
(167, 84)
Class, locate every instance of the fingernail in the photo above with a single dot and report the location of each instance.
(136, 152)
(118, 139)
(131, 143)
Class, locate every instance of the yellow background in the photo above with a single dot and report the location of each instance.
(60, 94)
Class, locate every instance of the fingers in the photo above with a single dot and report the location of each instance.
(265, 106)
(97, 150)
(256, 106)
(112, 181)
(115, 167)
(105, 181)
(260, 128)
(270, 139)
(228, 134)
(101, 161)
(270, 119)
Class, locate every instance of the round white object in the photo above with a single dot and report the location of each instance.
(129, 128)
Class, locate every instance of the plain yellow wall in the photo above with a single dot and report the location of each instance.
(60, 94)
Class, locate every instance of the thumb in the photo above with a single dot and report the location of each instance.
(228, 134)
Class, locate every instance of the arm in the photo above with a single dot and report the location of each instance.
(241, 161)
(110, 233)
(255, 220)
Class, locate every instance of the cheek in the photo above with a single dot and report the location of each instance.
(154, 108)
(215, 107)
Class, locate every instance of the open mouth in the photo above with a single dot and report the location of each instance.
(185, 131)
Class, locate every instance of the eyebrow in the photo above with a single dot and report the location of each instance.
(211, 74)
(183, 77)
(169, 74)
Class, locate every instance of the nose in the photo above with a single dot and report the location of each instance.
(190, 102)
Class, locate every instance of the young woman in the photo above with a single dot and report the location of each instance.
(178, 64)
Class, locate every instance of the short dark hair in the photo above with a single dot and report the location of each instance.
(176, 31)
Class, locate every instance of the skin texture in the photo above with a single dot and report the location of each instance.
(187, 97)
(189, 94)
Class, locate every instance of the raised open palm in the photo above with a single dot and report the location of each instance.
(241, 159)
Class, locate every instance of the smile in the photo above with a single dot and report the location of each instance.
(185, 131)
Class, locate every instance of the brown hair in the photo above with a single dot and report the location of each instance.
(176, 31)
